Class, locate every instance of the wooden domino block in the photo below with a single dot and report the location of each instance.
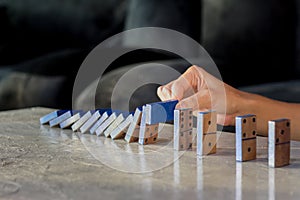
(150, 136)
(184, 141)
(245, 138)
(183, 129)
(132, 134)
(279, 142)
(206, 133)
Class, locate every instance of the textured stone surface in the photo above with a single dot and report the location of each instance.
(38, 162)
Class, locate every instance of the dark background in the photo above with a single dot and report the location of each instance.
(43, 43)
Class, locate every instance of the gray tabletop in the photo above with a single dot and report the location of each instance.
(39, 162)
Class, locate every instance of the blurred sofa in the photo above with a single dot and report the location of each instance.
(254, 43)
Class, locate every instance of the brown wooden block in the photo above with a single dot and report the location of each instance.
(151, 130)
(209, 121)
(209, 144)
(150, 140)
(150, 136)
(279, 142)
(248, 126)
(282, 154)
(245, 137)
(184, 141)
(206, 133)
(190, 139)
(249, 149)
(183, 119)
(282, 131)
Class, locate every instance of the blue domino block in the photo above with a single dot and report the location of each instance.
(118, 112)
(103, 110)
(160, 112)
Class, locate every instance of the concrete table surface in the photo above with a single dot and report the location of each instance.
(39, 162)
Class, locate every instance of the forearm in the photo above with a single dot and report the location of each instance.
(267, 109)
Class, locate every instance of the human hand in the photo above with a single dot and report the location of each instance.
(201, 91)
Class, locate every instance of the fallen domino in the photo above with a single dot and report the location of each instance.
(68, 122)
(81, 121)
(114, 125)
(279, 142)
(132, 134)
(245, 137)
(56, 121)
(105, 124)
(120, 131)
(99, 122)
(206, 133)
(47, 118)
(89, 123)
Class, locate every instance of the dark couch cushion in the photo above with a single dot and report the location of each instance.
(31, 28)
(252, 41)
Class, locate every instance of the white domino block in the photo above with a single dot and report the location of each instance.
(67, 123)
(105, 124)
(131, 135)
(114, 125)
(98, 123)
(119, 132)
(89, 123)
(81, 121)
(61, 118)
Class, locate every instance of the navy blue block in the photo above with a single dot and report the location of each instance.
(103, 110)
(160, 112)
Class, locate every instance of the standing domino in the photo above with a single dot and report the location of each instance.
(279, 142)
(245, 138)
(183, 129)
(206, 133)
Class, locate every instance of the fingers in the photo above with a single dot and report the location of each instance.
(177, 88)
(166, 93)
(199, 101)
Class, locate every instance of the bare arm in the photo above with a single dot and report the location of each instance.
(201, 91)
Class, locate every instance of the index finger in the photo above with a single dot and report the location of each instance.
(176, 89)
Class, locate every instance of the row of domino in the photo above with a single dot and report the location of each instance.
(278, 136)
(141, 126)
